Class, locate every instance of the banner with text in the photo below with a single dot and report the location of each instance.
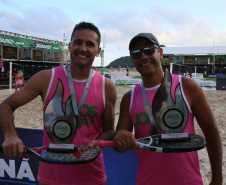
(9, 52)
(126, 80)
(121, 168)
(205, 83)
(38, 55)
(17, 42)
(48, 56)
(57, 56)
(24, 54)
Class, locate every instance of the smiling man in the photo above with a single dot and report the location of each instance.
(165, 168)
(96, 114)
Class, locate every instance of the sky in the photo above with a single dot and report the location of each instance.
(175, 23)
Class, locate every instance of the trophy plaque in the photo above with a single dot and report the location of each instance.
(60, 124)
(170, 116)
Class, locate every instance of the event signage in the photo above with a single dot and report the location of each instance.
(205, 83)
(48, 56)
(57, 56)
(24, 54)
(38, 55)
(126, 80)
(189, 60)
(16, 170)
(9, 52)
(6, 40)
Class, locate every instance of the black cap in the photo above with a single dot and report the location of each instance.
(148, 36)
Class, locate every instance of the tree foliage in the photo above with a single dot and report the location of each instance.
(122, 61)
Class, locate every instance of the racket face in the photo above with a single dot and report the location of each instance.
(194, 143)
(82, 156)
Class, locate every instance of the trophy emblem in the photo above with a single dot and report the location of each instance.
(60, 122)
(170, 116)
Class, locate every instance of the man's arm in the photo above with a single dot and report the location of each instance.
(205, 119)
(108, 117)
(123, 135)
(37, 85)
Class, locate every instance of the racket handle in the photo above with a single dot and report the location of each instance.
(103, 143)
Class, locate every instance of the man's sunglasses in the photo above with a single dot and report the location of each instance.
(136, 54)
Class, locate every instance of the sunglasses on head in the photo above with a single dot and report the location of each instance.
(136, 54)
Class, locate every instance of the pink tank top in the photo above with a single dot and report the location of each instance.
(1, 63)
(91, 112)
(162, 168)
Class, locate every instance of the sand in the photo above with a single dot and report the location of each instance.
(30, 116)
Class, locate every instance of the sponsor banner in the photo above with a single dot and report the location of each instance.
(210, 75)
(48, 46)
(221, 84)
(203, 60)
(121, 168)
(17, 42)
(24, 54)
(48, 56)
(126, 80)
(204, 82)
(16, 170)
(9, 52)
(38, 55)
(166, 60)
(57, 56)
(178, 60)
(220, 59)
(189, 60)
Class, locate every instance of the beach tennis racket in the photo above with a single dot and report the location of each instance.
(82, 155)
(169, 144)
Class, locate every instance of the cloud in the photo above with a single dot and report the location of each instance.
(47, 21)
(171, 27)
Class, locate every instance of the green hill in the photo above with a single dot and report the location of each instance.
(122, 61)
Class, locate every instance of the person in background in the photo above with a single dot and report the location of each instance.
(97, 113)
(19, 80)
(165, 168)
(14, 72)
(127, 69)
(1, 66)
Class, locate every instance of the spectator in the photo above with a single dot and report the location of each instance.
(1, 66)
(19, 80)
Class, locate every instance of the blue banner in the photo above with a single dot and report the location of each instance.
(121, 169)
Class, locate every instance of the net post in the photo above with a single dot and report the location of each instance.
(171, 68)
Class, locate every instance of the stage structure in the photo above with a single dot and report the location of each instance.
(24, 46)
(29, 53)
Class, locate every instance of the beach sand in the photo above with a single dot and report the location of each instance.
(30, 116)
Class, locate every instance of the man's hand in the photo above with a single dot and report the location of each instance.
(94, 144)
(125, 141)
(13, 146)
